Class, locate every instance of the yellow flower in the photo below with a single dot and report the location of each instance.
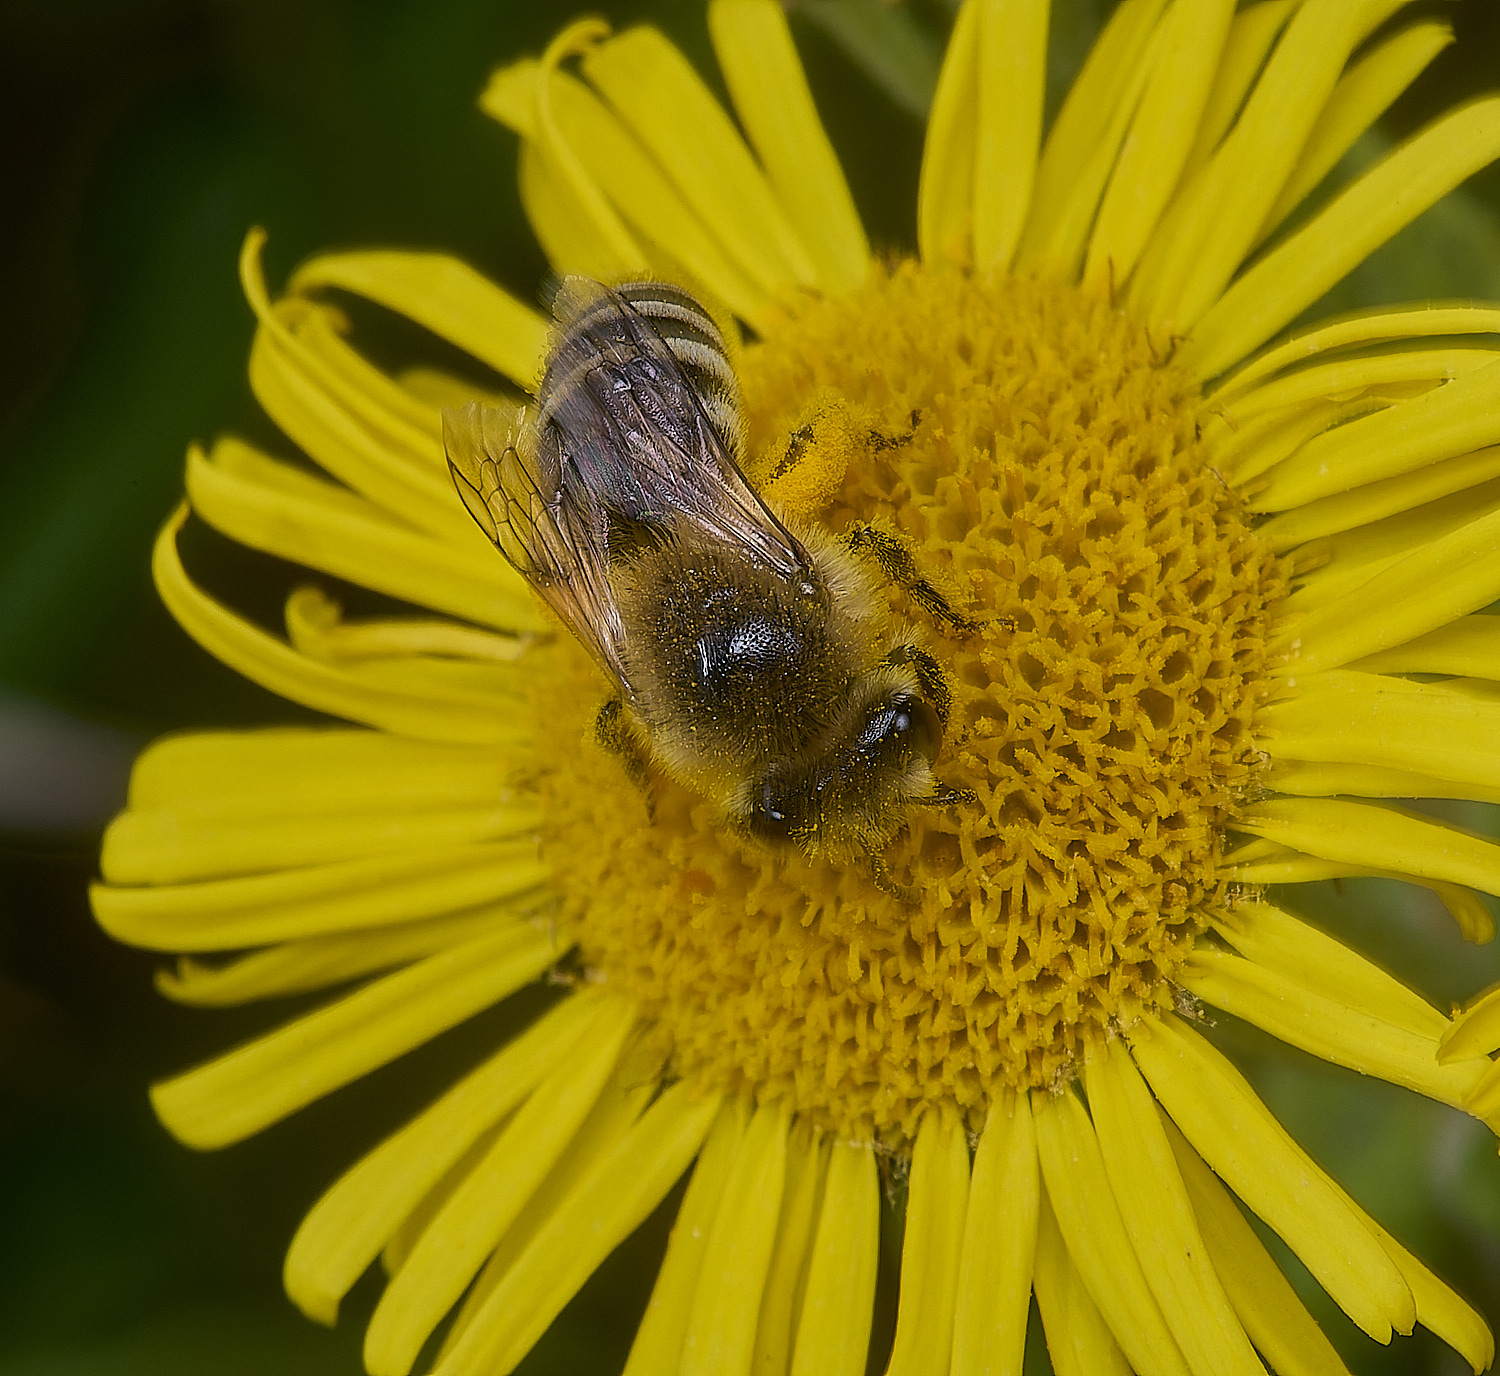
(1229, 601)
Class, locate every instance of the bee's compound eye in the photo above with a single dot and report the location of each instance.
(771, 819)
(905, 723)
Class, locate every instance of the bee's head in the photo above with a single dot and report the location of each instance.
(854, 792)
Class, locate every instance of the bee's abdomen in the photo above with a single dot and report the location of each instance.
(694, 339)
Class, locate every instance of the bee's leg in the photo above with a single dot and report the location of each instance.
(898, 564)
(883, 879)
(878, 441)
(613, 733)
(930, 678)
(939, 696)
(948, 797)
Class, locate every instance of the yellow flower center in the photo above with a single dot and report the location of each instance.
(1102, 718)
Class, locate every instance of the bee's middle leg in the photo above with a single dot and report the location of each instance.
(886, 882)
(899, 564)
(613, 732)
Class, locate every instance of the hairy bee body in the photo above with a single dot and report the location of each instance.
(754, 662)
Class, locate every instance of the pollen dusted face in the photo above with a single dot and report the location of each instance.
(1101, 718)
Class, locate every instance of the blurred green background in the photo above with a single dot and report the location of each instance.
(139, 140)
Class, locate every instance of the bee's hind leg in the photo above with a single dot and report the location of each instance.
(899, 564)
(612, 731)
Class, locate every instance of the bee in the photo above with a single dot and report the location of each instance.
(752, 660)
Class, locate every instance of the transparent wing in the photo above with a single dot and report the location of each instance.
(639, 413)
(555, 540)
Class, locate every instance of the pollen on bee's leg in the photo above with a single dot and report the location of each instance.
(803, 471)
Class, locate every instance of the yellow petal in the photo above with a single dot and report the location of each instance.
(1011, 60)
(994, 1278)
(402, 482)
(321, 394)
(607, 1204)
(1365, 327)
(1276, 940)
(1161, 136)
(471, 1223)
(720, 1336)
(1346, 376)
(1357, 718)
(1367, 781)
(937, 1198)
(562, 226)
(1250, 1151)
(1469, 647)
(276, 665)
(1154, 1204)
(265, 1080)
(1363, 94)
(1339, 564)
(1476, 1031)
(660, 221)
(658, 94)
(274, 507)
(348, 1226)
(1440, 1310)
(447, 297)
(1378, 500)
(280, 771)
(775, 106)
(1440, 424)
(1078, 1340)
(833, 1335)
(1326, 1027)
(315, 335)
(1254, 30)
(347, 895)
(658, 1339)
(633, 1086)
(945, 193)
(1276, 1320)
(781, 1304)
(297, 967)
(1468, 909)
(1379, 835)
(1081, 145)
(383, 654)
(1484, 1102)
(1245, 452)
(1098, 1241)
(173, 845)
(1449, 577)
(1342, 235)
(1225, 207)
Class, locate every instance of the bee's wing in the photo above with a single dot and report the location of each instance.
(640, 414)
(559, 545)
